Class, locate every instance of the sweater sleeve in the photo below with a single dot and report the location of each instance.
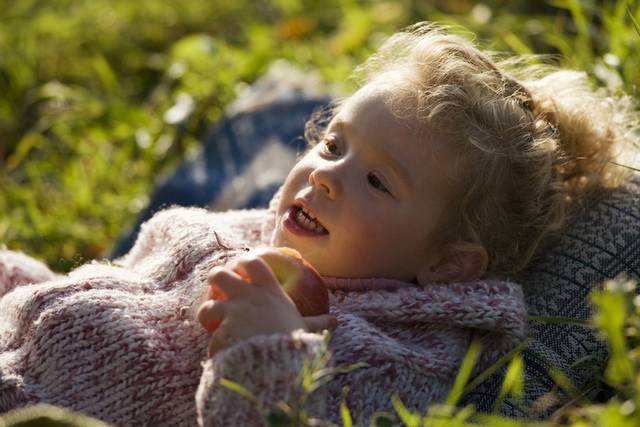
(18, 269)
(177, 228)
(268, 366)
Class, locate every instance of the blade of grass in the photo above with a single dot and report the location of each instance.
(635, 23)
(496, 365)
(238, 388)
(620, 164)
(408, 418)
(345, 415)
(513, 383)
(463, 374)
(562, 381)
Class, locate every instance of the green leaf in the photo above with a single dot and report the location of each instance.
(105, 73)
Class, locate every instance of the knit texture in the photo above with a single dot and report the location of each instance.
(17, 269)
(119, 341)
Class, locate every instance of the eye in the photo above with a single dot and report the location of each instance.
(375, 182)
(330, 146)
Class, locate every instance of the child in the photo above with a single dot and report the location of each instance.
(442, 169)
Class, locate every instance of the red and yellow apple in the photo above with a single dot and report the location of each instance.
(299, 279)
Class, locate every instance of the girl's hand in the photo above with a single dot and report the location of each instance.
(256, 304)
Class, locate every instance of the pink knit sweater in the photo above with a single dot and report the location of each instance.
(115, 341)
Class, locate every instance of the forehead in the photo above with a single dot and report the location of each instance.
(374, 102)
(369, 118)
(367, 113)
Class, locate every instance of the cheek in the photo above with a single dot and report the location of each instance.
(296, 178)
(373, 216)
(368, 227)
(386, 228)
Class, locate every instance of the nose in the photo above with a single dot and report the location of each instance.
(326, 179)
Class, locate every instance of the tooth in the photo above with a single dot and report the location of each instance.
(308, 213)
(305, 220)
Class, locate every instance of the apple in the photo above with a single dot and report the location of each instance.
(300, 281)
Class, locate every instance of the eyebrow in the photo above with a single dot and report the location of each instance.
(401, 172)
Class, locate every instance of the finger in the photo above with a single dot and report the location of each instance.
(210, 314)
(217, 342)
(258, 271)
(233, 266)
(228, 281)
(320, 323)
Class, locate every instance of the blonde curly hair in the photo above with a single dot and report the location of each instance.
(530, 141)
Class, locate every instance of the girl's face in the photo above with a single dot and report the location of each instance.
(374, 190)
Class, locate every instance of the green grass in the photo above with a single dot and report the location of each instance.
(84, 88)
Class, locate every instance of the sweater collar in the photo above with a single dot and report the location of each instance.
(490, 305)
(365, 283)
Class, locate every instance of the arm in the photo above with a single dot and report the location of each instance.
(259, 341)
(173, 229)
(418, 364)
(268, 366)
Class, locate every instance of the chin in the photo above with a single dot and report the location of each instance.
(279, 239)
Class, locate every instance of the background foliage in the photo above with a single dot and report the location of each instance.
(100, 98)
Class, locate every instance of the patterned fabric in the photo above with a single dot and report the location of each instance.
(602, 242)
(119, 342)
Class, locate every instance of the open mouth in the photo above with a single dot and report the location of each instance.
(301, 221)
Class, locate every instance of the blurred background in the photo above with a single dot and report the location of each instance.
(99, 99)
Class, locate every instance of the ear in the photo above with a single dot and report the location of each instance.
(459, 262)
